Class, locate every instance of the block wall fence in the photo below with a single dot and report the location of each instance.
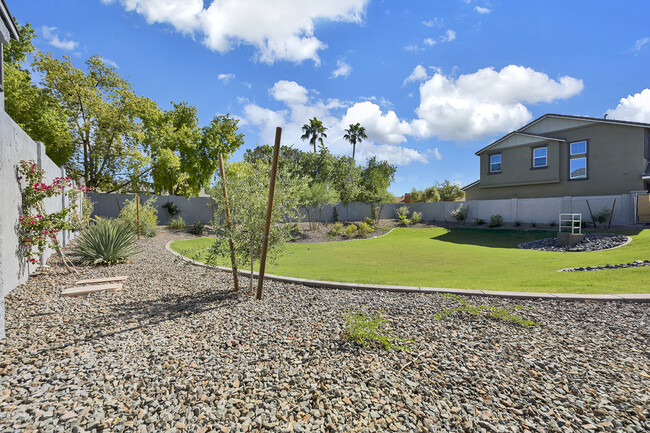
(525, 211)
(16, 145)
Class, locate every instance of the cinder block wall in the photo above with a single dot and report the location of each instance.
(16, 145)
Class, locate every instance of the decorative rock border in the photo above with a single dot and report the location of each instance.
(591, 242)
(634, 264)
(641, 297)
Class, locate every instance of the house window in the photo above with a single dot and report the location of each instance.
(578, 160)
(540, 157)
(495, 163)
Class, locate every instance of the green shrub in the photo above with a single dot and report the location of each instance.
(172, 208)
(81, 219)
(496, 221)
(460, 213)
(107, 242)
(148, 216)
(416, 217)
(603, 216)
(365, 229)
(552, 223)
(177, 223)
(517, 223)
(479, 221)
(335, 214)
(367, 329)
(375, 212)
(493, 311)
(369, 221)
(350, 231)
(196, 228)
(403, 216)
(337, 229)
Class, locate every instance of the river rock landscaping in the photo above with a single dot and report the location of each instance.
(591, 242)
(177, 350)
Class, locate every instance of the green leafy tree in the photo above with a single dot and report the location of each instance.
(314, 131)
(247, 185)
(104, 118)
(184, 155)
(449, 191)
(345, 178)
(33, 108)
(313, 198)
(430, 194)
(289, 157)
(355, 134)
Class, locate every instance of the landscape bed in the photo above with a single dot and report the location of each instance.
(483, 259)
(177, 350)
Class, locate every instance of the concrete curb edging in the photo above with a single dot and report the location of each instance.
(643, 297)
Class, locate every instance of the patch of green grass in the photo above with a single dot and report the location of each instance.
(367, 329)
(462, 258)
(494, 311)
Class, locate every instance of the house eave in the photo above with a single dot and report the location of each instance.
(524, 134)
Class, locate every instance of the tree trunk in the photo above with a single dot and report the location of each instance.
(250, 284)
(354, 145)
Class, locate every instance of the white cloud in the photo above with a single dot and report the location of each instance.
(385, 128)
(342, 70)
(225, 78)
(419, 74)
(385, 131)
(640, 43)
(110, 62)
(413, 48)
(486, 102)
(51, 36)
(435, 152)
(449, 36)
(433, 22)
(429, 41)
(634, 108)
(482, 10)
(280, 30)
(289, 92)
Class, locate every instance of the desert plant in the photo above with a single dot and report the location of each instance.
(81, 219)
(603, 216)
(335, 214)
(416, 217)
(148, 216)
(374, 212)
(369, 221)
(196, 228)
(496, 221)
(364, 229)
(403, 215)
(350, 231)
(460, 213)
(337, 229)
(493, 311)
(177, 223)
(367, 329)
(479, 221)
(107, 242)
(172, 208)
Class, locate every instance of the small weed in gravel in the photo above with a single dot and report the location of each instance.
(366, 329)
(496, 312)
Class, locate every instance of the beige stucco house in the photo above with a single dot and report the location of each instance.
(558, 155)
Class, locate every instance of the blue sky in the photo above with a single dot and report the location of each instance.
(431, 81)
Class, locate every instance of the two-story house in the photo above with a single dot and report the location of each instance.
(558, 155)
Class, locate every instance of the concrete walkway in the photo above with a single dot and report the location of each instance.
(642, 297)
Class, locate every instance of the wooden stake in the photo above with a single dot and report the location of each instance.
(137, 207)
(233, 259)
(119, 209)
(611, 215)
(269, 211)
(593, 220)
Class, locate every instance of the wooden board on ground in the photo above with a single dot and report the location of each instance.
(103, 280)
(84, 290)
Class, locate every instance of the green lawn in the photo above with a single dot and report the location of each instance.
(485, 259)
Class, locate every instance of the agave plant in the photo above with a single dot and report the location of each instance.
(108, 242)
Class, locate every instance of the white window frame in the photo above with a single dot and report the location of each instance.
(494, 163)
(545, 157)
(578, 156)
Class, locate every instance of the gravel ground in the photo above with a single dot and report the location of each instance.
(176, 350)
(591, 242)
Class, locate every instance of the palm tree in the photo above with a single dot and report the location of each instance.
(313, 132)
(355, 135)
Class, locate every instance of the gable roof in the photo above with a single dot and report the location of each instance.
(522, 131)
